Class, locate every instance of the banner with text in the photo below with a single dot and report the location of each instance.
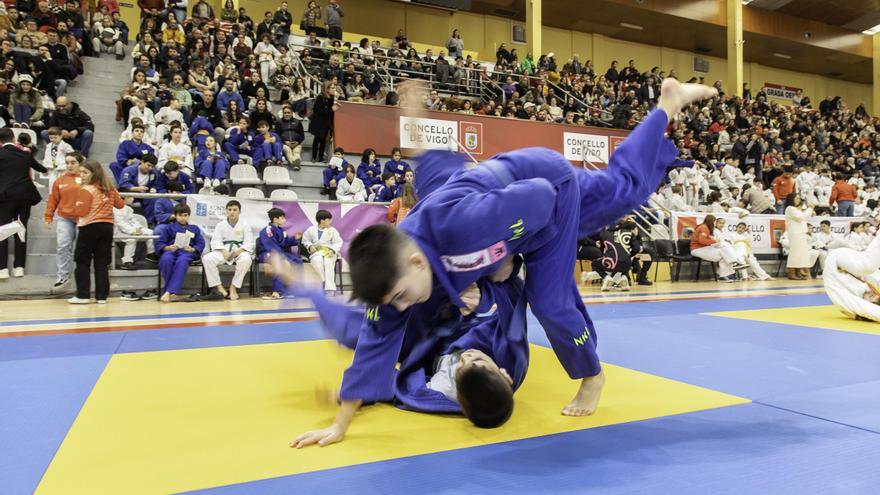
(348, 218)
(780, 92)
(480, 135)
(765, 229)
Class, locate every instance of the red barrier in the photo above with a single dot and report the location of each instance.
(359, 126)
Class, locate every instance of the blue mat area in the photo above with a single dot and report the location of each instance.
(54, 346)
(750, 359)
(746, 449)
(855, 405)
(639, 309)
(219, 336)
(99, 319)
(39, 399)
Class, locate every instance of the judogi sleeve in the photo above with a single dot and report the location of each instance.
(370, 377)
(634, 171)
(220, 234)
(247, 238)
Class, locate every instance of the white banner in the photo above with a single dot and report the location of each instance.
(431, 134)
(208, 211)
(780, 92)
(577, 145)
(765, 229)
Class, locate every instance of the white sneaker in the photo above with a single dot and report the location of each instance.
(4, 273)
(101, 301)
(216, 182)
(624, 284)
(76, 300)
(593, 276)
(18, 272)
(607, 283)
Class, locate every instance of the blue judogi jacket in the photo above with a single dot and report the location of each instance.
(183, 178)
(331, 173)
(374, 167)
(159, 211)
(130, 149)
(239, 139)
(397, 168)
(386, 194)
(438, 329)
(274, 239)
(129, 178)
(507, 205)
(170, 231)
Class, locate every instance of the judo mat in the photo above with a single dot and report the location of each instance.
(827, 317)
(694, 403)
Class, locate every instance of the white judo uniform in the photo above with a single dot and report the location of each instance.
(846, 276)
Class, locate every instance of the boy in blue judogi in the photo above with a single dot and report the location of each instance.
(267, 147)
(334, 172)
(211, 163)
(200, 128)
(240, 142)
(370, 173)
(161, 210)
(274, 241)
(531, 202)
(397, 166)
(450, 363)
(177, 256)
(171, 171)
(130, 152)
(388, 190)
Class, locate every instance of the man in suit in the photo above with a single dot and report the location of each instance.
(17, 195)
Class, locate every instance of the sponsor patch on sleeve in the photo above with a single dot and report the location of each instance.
(475, 261)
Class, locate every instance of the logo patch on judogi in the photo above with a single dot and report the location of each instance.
(476, 260)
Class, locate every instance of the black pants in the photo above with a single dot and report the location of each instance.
(93, 244)
(641, 268)
(334, 32)
(9, 212)
(319, 147)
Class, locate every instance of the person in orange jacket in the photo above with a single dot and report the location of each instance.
(62, 201)
(844, 194)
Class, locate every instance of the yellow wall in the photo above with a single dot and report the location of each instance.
(427, 27)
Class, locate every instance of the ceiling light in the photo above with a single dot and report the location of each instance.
(782, 55)
(631, 26)
(871, 32)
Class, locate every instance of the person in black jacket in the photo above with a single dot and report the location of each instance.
(283, 19)
(627, 235)
(208, 108)
(292, 136)
(76, 126)
(17, 195)
(322, 120)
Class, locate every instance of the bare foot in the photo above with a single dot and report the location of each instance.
(233, 293)
(222, 291)
(587, 398)
(166, 297)
(674, 95)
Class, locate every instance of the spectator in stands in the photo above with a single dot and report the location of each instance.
(756, 200)
(232, 243)
(387, 190)
(274, 241)
(397, 166)
(783, 186)
(27, 104)
(76, 126)
(211, 164)
(109, 41)
(171, 172)
(351, 188)
(127, 224)
(207, 108)
(227, 94)
(455, 45)
(151, 7)
(333, 15)
(94, 206)
(283, 20)
(180, 243)
(796, 216)
(292, 135)
(266, 53)
(321, 123)
(369, 171)
(310, 17)
(324, 244)
(203, 10)
(844, 195)
(57, 150)
(130, 157)
(641, 254)
(400, 206)
(706, 247)
(268, 147)
(240, 146)
(228, 12)
(62, 201)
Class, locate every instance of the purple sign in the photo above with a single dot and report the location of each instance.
(348, 218)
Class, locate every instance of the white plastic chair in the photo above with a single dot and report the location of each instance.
(277, 176)
(249, 193)
(283, 195)
(244, 174)
(18, 130)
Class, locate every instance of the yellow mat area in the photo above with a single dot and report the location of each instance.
(173, 421)
(827, 317)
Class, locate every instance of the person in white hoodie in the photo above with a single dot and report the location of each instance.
(126, 224)
(176, 150)
(351, 188)
(232, 243)
(323, 243)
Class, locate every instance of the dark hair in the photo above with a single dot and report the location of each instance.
(233, 203)
(348, 167)
(174, 186)
(181, 208)
(372, 257)
(222, 190)
(386, 176)
(275, 213)
(150, 158)
(709, 221)
(365, 158)
(395, 150)
(338, 150)
(485, 397)
(825, 222)
(628, 225)
(323, 215)
(171, 166)
(789, 200)
(6, 135)
(137, 126)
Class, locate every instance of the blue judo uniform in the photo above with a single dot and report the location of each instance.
(386, 194)
(364, 171)
(184, 179)
(275, 240)
(264, 150)
(436, 329)
(128, 150)
(397, 168)
(336, 174)
(200, 128)
(160, 212)
(240, 143)
(174, 264)
(531, 202)
(211, 164)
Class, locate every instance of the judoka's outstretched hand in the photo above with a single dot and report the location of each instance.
(674, 96)
(326, 436)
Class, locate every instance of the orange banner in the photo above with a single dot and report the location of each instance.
(359, 126)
